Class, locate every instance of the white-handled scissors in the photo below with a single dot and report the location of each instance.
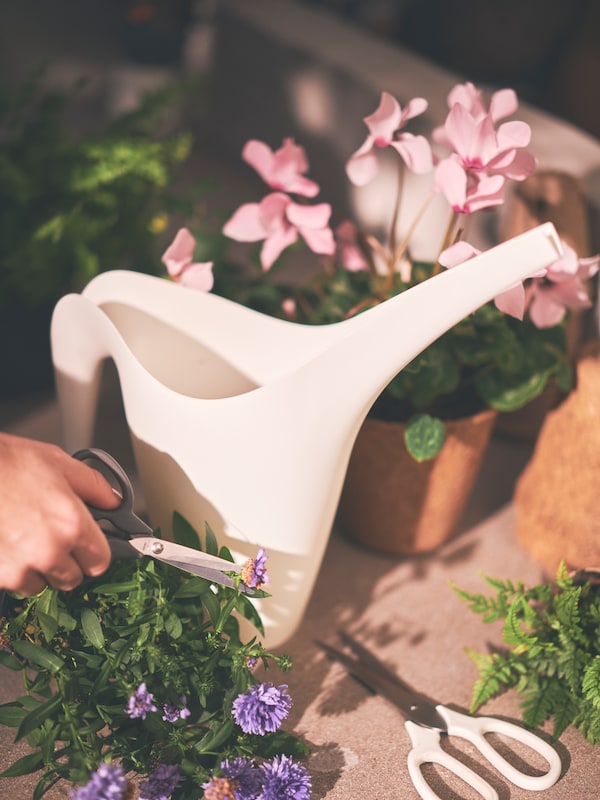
(133, 538)
(427, 720)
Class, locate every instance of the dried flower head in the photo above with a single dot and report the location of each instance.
(241, 780)
(254, 571)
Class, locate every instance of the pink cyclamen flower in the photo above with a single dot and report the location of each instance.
(550, 292)
(351, 256)
(383, 127)
(178, 259)
(279, 221)
(283, 169)
(503, 103)
(473, 176)
(563, 287)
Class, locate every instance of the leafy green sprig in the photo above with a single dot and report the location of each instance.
(552, 660)
(83, 653)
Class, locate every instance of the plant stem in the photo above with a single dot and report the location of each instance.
(395, 215)
(403, 246)
(446, 241)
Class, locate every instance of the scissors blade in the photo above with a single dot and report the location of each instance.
(369, 671)
(189, 560)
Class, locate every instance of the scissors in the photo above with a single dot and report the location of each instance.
(133, 538)
(427, 720)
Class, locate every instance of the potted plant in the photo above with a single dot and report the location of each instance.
(498, 359)
(139, 685)
(72, 205)
(551, 658)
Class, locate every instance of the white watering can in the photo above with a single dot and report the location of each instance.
(245, 421)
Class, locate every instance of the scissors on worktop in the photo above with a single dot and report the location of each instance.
(427, 720)
(133, 538)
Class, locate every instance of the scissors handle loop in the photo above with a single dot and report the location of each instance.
(126, 522)
(427, 750)
(474, 729)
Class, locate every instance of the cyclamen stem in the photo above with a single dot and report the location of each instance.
(395, 214)
(446, 241)
(403, 246)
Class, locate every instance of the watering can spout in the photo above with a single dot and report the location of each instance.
(247, 422)
(373, 347)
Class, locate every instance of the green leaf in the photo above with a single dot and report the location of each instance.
(38, 716)
(24, 766)
(35, 654)
(12, 714)
(8, 660)
(212, 546)
(173, 626)
(184, 533)
(47, 612)
(49, 625)
(424, 437)
(505, 396)
(92, 628)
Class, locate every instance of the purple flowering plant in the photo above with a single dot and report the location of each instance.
(503, 355)
(138, 684)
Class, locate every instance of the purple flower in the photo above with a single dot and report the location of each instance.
(240, 781)
(284, 779)
(108, 782)
(140, 703)
(162, 783)
(254, 571)
(262, 708)
(172, 713)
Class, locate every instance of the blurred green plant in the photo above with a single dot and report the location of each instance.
(74, 205)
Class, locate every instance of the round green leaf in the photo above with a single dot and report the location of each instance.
(424, 437)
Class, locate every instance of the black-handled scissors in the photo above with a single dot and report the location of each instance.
(133, 538)
(427, 720)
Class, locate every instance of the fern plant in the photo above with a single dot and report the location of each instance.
(552, 659)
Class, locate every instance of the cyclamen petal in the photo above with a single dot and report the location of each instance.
(180, 252)
(512, 301)
(415, 152)
(385, 120)
(198, 276)
(283, 169)
(246, 225)
(361, 168)
(275, 244)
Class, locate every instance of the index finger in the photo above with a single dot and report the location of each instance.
(89, 484)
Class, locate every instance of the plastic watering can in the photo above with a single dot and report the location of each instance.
(245, 421)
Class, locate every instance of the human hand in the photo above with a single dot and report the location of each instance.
(47, 534)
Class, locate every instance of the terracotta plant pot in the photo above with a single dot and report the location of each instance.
(394, 504)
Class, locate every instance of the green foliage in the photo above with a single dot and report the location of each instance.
(84, 653)
(553, 658)
(74, 205)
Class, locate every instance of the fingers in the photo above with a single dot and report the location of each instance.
(88, 483)
(47, 534)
